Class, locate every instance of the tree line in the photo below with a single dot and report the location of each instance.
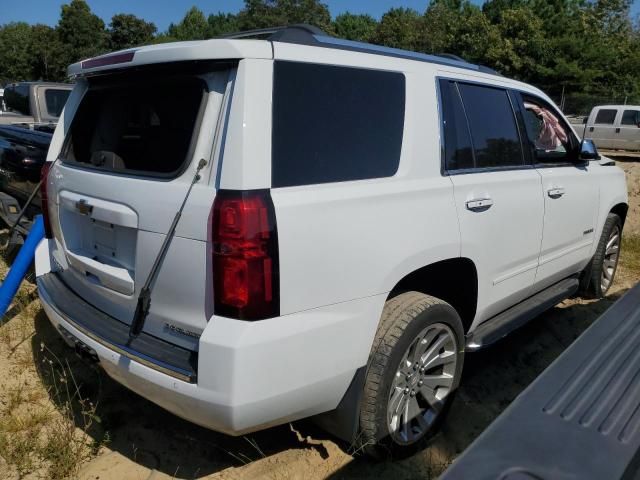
(586, 47)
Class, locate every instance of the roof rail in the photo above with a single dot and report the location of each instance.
(278, 34)
(304, 34)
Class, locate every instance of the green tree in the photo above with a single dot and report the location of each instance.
(128, 31)
(15, 45)
(193, 26)
(222, 23)
(81, 32)
(270, 13)
(523, 47)
(355, 27)
(400, 28)
(46, 54)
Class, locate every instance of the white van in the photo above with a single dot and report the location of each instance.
(351, 220)
(614, 127)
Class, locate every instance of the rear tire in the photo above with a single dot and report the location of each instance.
(604, 264)
(413, 370)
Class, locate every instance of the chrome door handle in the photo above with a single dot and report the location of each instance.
(556, 192)
(480, 204)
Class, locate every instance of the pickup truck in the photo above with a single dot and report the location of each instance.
(36, 105)
(613, 127)
(26, 127)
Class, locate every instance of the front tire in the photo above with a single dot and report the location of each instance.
(413, 370)
(605, 261)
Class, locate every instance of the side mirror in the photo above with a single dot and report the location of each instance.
(589, 151)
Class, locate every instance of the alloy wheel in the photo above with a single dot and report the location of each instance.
(610, 260)
(422, 382)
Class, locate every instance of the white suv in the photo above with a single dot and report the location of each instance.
(355, 219)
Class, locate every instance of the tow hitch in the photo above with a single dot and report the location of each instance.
(84, 351)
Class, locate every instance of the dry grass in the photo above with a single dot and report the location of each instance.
(630, 254)
(43, 425)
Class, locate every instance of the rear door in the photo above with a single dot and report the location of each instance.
(497, 193)
(570, 192)
(127, 162)
(602, 128)
(628, 137)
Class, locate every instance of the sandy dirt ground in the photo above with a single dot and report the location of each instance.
(128, 437)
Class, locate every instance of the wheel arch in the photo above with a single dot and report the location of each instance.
(454, 280)
(620, 209)
(433, 279)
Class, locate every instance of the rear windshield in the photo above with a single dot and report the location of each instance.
(136, 126)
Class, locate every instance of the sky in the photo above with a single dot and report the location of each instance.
(163, 12)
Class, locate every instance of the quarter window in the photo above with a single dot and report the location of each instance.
(606, 117)
(335, 124)
(494, 133)
(631, 117)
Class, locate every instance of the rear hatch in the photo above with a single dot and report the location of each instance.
(125, 166)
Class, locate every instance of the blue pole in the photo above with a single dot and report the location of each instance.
(20, 265)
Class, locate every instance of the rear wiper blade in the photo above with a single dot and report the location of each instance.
(144, 298)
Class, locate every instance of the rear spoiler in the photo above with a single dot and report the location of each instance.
(214, 49)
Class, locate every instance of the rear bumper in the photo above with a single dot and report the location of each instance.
(250, 375)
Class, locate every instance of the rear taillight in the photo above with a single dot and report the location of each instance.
(245, 255)
(44, 173)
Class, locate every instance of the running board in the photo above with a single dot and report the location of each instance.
(504, 323)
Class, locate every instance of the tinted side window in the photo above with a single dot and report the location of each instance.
(457, 141)
(631, 117)
(606, 117)
(55, 100)
(335, 124)
(496, 141)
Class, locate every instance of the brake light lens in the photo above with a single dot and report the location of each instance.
(245, 255)
(44, 174)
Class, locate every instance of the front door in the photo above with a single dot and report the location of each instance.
(602, 129)
(569, 191)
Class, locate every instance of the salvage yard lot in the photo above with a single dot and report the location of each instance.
(60, 418)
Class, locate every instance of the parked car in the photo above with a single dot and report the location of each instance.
(25, 135)
(614, 127)
(36, 105)
(22, 154)
(351, 220)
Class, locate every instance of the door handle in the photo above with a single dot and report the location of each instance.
(555, 192)
(591, 129)
(618, 130)
(479, 205)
